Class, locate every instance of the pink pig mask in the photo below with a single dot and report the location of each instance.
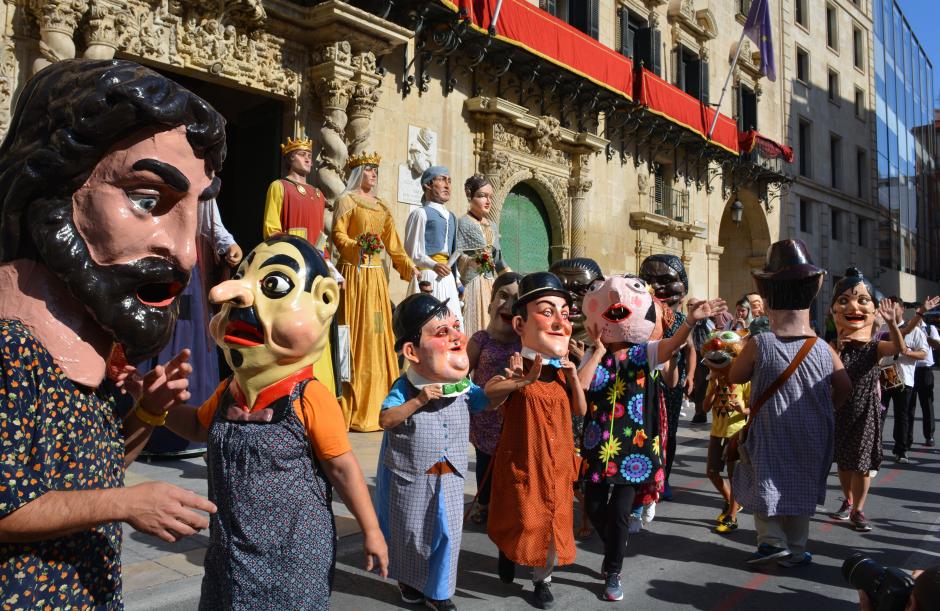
(622, 309)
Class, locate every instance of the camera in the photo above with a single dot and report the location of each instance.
(887, 588)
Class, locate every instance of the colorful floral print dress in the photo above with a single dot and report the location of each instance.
(623, 438)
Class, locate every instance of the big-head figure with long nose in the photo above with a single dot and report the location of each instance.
(276, 312)
(276, 436)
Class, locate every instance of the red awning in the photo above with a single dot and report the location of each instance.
(679, 107)
(527, 26)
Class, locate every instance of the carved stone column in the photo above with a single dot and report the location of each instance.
(9, 69)
(578, 186)
(365, 95)
(331, 79)
(102, 35)
(57, 22)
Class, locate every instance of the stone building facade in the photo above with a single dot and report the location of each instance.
(578, 169)
(828, 97)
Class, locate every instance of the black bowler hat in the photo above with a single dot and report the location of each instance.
(412, 313)
(537, 284)
(788, 260)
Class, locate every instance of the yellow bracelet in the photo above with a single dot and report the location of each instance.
(148, 418)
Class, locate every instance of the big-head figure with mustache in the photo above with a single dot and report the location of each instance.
(276, 437)
(100, 176)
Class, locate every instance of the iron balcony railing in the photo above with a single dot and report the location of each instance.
(671, 203)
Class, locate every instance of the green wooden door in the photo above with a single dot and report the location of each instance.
(525, 233)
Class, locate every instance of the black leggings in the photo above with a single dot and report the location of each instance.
(609, 507)
(903, 410)
(483, 461)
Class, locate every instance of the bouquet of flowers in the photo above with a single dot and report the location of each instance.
(484, 261)
(369, 244)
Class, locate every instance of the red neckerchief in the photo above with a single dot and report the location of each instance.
(271, 393)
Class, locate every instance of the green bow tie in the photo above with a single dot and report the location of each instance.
(458, 388)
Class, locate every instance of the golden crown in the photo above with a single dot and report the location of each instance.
(362, 159)
(300, 144)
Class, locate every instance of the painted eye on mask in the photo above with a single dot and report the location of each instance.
(276, 285)
(144, 201)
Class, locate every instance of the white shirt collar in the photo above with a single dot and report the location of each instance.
(439, 207)
(529, 353)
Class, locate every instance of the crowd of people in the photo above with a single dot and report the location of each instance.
(568, 383)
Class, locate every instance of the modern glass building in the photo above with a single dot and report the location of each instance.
(906, 146)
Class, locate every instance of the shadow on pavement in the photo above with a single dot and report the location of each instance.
(736, 597)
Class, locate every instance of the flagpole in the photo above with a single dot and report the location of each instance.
(499, 7)
(721, 98)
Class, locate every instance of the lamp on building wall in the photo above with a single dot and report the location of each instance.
(737, 211)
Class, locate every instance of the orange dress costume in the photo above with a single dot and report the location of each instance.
(533, 469)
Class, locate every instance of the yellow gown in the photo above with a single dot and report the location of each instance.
(365, 307)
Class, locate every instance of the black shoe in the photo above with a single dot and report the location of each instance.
(699, 419)
(409, 595)
(506, 569)
(929, 443)
(440, 605)
(542, 597)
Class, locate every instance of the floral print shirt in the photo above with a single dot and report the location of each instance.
(623, 438)
(55, 436)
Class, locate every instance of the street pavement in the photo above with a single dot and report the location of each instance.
(677, 562)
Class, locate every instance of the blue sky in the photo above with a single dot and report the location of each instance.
(924, 15)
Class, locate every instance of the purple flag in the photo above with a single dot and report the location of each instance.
(757, 28)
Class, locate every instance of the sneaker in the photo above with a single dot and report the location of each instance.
(802, 560)
(929, 443)
(634, 524)
(901, 459)
(766, 553)
(409, 595)
(726, 527)
(723, 516)
(542, 596)
(612, 587)
(649, 512)
(845, 510)
(506, 569)
(860, 522)
(440, 605)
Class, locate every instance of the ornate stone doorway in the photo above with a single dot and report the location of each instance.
(525, 230)
(253, 130)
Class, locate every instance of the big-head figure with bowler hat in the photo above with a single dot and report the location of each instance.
(532, 525)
